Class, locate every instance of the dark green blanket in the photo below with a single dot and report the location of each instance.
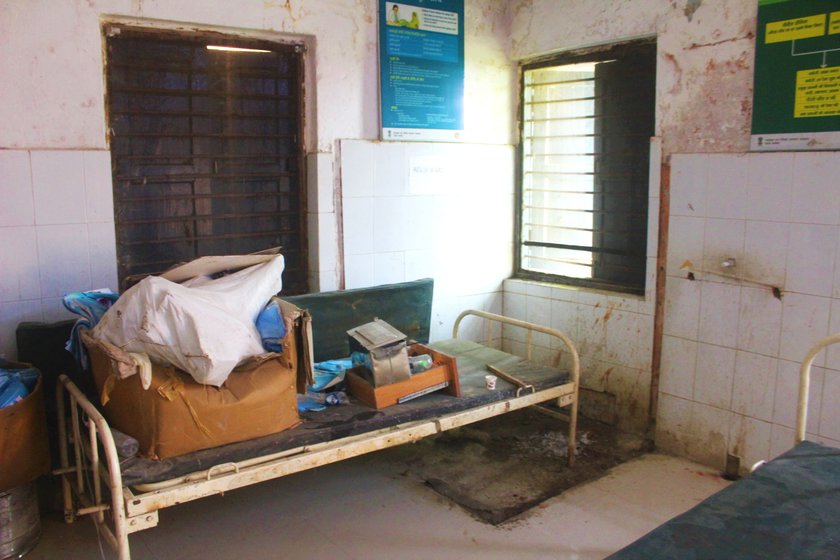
(789, 508)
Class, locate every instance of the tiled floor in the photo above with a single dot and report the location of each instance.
(363, 509)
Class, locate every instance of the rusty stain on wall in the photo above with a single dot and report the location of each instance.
(719, 93)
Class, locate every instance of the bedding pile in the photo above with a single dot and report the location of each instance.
(204, 326)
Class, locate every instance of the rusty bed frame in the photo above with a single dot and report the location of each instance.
(91, 478)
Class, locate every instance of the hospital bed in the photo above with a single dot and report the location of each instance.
(124, 498)
(786, 508)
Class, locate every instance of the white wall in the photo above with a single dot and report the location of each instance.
(421, 210)
(56, 221)
(730, 348)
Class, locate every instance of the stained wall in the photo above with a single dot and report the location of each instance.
(730, 347)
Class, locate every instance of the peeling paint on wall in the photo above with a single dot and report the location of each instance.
(691, 6)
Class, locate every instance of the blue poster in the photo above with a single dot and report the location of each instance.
(421, 69)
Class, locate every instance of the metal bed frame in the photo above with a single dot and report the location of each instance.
(92, 483)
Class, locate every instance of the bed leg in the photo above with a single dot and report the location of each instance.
(69, 511)
(573, 414)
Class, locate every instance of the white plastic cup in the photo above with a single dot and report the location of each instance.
(490, 381)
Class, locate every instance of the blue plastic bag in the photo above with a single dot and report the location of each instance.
(16, 385)
(271, 327)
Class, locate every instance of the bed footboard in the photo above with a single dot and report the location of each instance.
(92, 485)
(570, 399)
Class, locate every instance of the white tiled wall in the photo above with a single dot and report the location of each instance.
(731, 350)
(56, 233)
(416, 210)
(612, 333)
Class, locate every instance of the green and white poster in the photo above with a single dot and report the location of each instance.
(796, 99)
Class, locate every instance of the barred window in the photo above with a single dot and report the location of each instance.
(586, 122)
(206, 150)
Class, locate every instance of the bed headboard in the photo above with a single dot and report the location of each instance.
(407, 306)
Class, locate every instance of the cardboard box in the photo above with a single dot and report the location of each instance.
(177, 415)
(301, 351)
(24, 448)
(386, 349)
(442, 376)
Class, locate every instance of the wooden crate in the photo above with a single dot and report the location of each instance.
(445, 370)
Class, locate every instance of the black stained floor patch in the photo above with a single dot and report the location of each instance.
(501, 467)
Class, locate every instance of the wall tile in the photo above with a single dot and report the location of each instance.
(565, 293)
(327, 255)
(358, 168)
(358, 217)
(832, 353)
(539, 289)
(726, 190)
(714, 374)
(99, 192)
(813, 201)
(787, 395)
(765, 247)
(325, 281)
(629, 339)
(18, 207)
(592, 332)
(64, 259)
(391, 170)
(564, 319)
(515, 286)
(689, 174)
(760, 321)
(538, 311)
(419, 219)
(624, 303)
(20, 279)
(358, 271)
(388, 268)
(781, 440)
(673, 424)
(723, 239)
(810, 259)
(390, 215)
(319, 183)
(516, 306)
(829, 425)
(12, 314)
(708, 435)
(828, 442)
(769, 186)
(655, 174)
(804, 322)
(749, 439)
(58, 181)
(653, 227)
(720, 306)
(103, 256)
(679, 362)
(685, 243)
(54, 310)
(754, 386)
(420, 264)
(647, 304)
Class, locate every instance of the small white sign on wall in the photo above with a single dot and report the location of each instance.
(433, 174)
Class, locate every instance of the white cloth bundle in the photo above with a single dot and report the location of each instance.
(204, 327)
